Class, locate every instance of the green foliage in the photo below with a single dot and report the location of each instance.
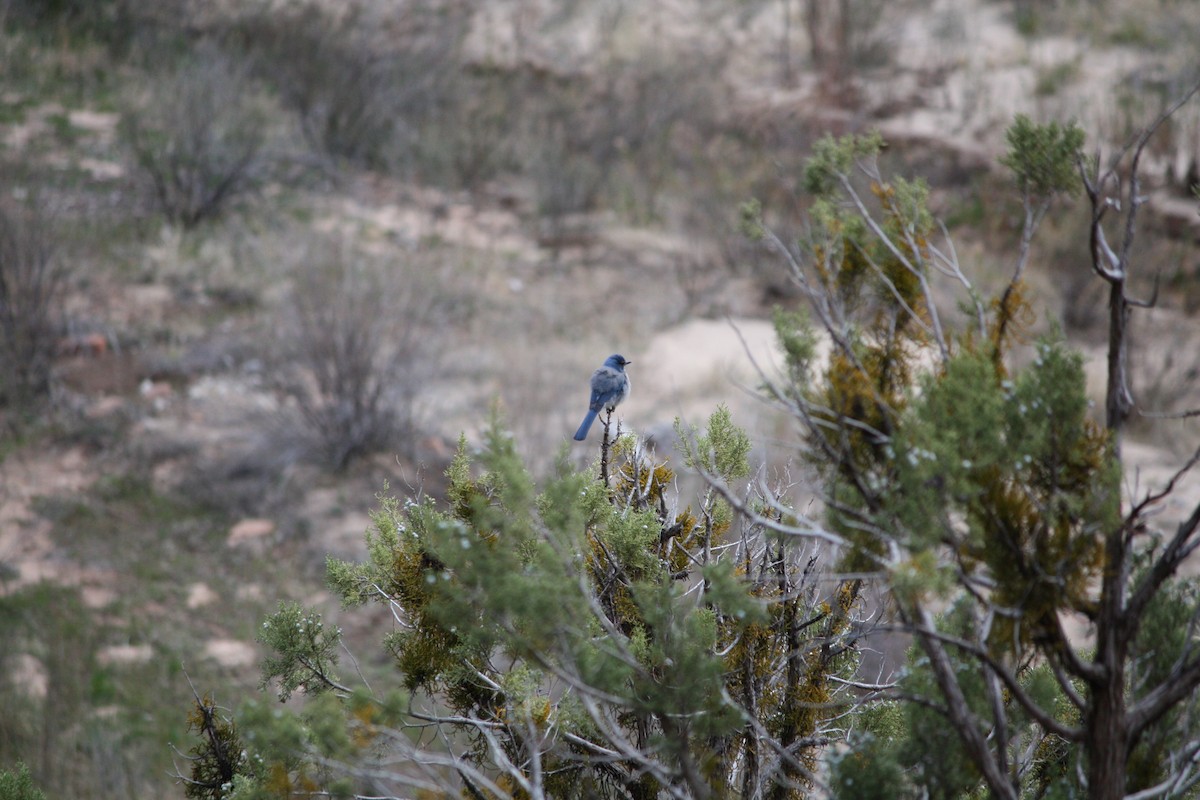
(506, 592)
(972, 484)
(1056, 763)
(630, 540)
(796, 338)
(1165, 639)
(930, 749)
(1052, 79)
(868, 263)
(727, 591)
(274, 754)
(18, 784)
(1167, 631)
(908, 749)
(868, 770)
(833, 159)
(920, 577)
(304, 652)
(750, 222)
(1007, 470)
(1043, 158)
(722, 451)
(218, 757)
(48, 642)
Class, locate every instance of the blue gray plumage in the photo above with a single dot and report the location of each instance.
(610, 385)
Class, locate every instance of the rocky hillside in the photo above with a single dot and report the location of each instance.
(300, 247)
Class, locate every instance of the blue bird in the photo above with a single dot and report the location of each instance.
(610, 385)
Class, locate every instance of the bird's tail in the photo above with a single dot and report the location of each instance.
(585, 426)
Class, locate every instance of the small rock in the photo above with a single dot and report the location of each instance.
(104, 407)
(29, 676)
(231, 652)
(250, 591)
(199, 594)
(97, 596)
(250, 531)
(155, 390)
(125, 654)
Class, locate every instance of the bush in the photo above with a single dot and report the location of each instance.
(109, 21)
(50, 628)
(612, 139)
(361, 83)
(19, 785)
(470, 138)
(32, 282)
(626, 644)
(197, 137)
(355, 351)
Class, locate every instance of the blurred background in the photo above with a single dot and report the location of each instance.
(259, 258)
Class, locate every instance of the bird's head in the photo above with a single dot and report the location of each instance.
(616, 361)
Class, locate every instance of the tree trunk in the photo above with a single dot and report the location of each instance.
(1106, 721)
(1107, 744)
(1118, 400)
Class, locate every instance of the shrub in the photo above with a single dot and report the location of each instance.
(19, 785)
(360, 82)
(49, 628)
(355, 351)
(197, 136)
(471, 138)
(610, 139)
(108, 21)
(624, 643)
(32, 282)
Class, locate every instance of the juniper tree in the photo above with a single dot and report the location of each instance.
(18, 784)
(600, 638)
(985, 500)
(591, 639)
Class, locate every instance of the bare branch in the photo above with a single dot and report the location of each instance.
(968, 726)
(926, 631)
(1179, 685)
(1195, 412)
(1174, 553)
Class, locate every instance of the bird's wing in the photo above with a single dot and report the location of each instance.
(606, 382)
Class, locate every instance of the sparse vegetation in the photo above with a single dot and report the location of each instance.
(19, 785)
(197, 136)
(283, 254)
(365, 82)
(48, 664)
(32, 298)
(356, 343)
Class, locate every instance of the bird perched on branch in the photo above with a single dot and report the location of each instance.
(610, 385)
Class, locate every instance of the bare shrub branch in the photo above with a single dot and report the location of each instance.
(197, 137)
(32, 281)
(356, 350)
(363, 82)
